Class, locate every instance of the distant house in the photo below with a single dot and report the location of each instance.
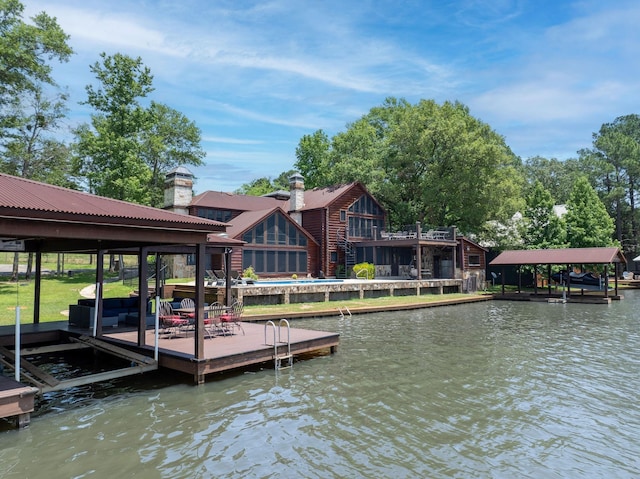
(322, 232)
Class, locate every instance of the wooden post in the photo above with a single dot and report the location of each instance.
(38, 289)
(199, 300)
(143, 294)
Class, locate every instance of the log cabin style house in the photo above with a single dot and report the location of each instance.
(322, 232)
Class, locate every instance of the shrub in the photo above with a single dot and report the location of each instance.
(368, 267)
(250, 273)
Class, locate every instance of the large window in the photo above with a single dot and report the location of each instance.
(279, 247)
(364, 214)
(279, 262)
(275, 230)
(215, 214)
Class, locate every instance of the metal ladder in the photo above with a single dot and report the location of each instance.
(277, 358)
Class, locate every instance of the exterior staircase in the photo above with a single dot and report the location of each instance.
(349, 252)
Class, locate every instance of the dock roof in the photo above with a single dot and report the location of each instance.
(560, 256)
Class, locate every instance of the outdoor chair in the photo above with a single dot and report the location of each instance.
(233, 316)
(188, 303)
(170, 322)
(213, 278)
(212, 320)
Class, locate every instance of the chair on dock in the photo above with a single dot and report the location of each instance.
(170, 322)
(233, 316)
(188, 303)
(212, 320)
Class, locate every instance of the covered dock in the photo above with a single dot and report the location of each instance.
(568, 258)
(39, 218)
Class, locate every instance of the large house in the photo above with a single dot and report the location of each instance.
(322, 232)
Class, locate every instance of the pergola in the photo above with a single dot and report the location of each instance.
(40, 218)
(562, 256)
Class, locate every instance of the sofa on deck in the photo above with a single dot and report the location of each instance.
(114, 311)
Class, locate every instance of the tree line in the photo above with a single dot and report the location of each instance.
(428, 162)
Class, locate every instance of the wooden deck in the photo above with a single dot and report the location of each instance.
(225, 353)
(222, 353)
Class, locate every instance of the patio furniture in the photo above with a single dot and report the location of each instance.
(188, 306)
(212, 323)
(233, 316)
(170, 322)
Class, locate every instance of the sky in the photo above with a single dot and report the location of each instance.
(256, 76)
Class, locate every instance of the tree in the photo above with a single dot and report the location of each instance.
(312, 155)
(263, 186)
(128, 147)
(426, 162)
(25, 52)
(587, 220)
(30, 150)
(543, 228)
(556, 176)
(170, 140)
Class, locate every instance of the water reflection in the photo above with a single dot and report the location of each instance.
(482, 390)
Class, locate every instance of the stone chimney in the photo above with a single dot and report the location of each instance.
(296, 200)
(178, 190)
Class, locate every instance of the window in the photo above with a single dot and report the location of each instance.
(474, 260)
(343, 216)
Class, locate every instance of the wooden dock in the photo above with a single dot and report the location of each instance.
(16, 401)
(225, 353)
(260, 343)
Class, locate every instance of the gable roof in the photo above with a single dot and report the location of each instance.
(324, 197)
(560, 256)
(231, 201)
(249, 219)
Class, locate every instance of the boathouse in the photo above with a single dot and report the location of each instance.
(40, 218)
(569, 259)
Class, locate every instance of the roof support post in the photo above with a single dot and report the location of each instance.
(199, 300)
(418, 264)
(143, 294)
(549, 279)
(227, 276)
(99, 290)
(535, 279)
(38, 288)
(606, 279)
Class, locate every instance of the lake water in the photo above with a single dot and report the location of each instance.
(487, 390)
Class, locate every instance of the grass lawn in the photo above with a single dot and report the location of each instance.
(59, 292)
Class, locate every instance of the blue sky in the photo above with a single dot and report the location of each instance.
(256, 76)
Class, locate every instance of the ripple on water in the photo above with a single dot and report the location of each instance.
(493, 389)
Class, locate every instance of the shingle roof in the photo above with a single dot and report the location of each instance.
(560, 256)
(322, 197)
(230, 201)
(22, 195)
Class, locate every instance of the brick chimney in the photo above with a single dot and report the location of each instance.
(296, 200)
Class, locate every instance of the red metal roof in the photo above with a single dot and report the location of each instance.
(560, 256)
(20, 194)
(230, 201)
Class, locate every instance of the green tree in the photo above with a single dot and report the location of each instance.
(312, 155)
(542, 227)
(587, 220)
(426, 162)
(613, 167)
(265, 185)
(26, 50)
(556, 176)
(128, 148)
(170, 140)
(30, 149)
